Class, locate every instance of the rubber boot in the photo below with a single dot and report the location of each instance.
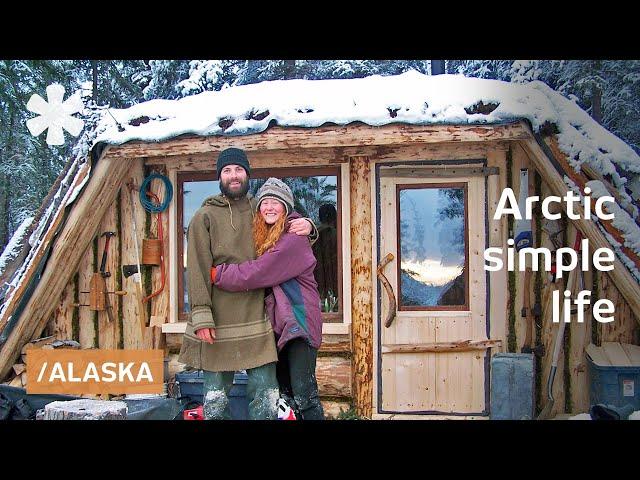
(262, 392)
(216, 395)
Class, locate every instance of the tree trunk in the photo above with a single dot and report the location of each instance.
(596, 94)
(94, 70)
(289, 69)
(7, 190)
(596, 105)
(361, 284)
(85, 409)
(437, 67)
(4, 212)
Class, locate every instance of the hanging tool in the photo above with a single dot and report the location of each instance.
(117, 292)
(546, 411)
(137, 276)
(526, 312)
(148, 205)
(524, 239)
(523, 236)
(553, 229)
(106, 274)
(577, 246)
(531, 316)
(161, 252)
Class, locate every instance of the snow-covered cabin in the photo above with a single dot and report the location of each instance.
(413, 167)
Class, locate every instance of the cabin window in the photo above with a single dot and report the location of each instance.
(433, 271)
(317, 196)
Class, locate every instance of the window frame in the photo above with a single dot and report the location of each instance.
(446, 308)
(328, 318)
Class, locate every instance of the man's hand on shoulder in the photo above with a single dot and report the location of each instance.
(206, 334)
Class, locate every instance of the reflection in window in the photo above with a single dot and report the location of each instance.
(432, 247)
(194, 195)
(315, 197)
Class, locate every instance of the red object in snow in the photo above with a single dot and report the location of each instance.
(285, 412)
(193, 414)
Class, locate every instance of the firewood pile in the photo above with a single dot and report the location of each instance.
(19, 376)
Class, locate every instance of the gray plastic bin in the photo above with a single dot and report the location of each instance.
(191, 385)
(614, 385)
(512, 386)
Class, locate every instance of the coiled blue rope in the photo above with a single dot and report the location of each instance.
(148, 204)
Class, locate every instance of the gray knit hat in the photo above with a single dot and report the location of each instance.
(274, 188)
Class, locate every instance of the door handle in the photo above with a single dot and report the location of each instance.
(391, 314)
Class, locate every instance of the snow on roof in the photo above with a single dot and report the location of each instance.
(376, 100)
(411, 97)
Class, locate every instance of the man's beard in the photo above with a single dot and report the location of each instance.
(237, 195)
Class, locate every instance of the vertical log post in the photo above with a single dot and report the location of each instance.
(497, 238)
(361, 283)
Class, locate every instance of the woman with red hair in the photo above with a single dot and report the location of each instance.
(284, 267)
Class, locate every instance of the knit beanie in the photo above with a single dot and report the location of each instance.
(274, 188)
(233, 156)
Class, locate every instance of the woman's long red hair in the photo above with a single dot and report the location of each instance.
(265, 236)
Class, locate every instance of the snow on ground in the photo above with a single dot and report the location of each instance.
(581, 416)
(587, 416)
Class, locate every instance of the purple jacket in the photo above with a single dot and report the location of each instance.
(294, 305)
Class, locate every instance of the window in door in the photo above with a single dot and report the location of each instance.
(433, 247)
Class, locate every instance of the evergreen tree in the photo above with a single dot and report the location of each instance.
(164, 77)
(28, 165)
(210, 75)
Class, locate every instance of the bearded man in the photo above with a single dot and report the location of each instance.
(229, 331)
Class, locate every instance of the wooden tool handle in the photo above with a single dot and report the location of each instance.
(391, 313)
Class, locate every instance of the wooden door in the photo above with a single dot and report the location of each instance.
(435, 229)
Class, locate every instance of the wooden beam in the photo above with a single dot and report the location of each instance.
(362, 283)
(442, 170)
(310, 157)
(409, 152)
(334, 377)
(294, 157)
(352, 135)
(66, 253)
(441, 347)
(498, 291)
(335, 345)
(40, 251)
(625, 282)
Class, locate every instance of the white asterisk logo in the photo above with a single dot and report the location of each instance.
(55, 115)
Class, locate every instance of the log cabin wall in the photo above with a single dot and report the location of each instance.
(336, 374)
(571, 387)
(93, 329)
